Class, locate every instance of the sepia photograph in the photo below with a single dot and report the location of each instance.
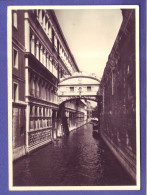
(73, 97)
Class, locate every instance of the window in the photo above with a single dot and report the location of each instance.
(50, 33)
(15, 58)
(71, 89)
(15, 92)
(15, 19)
(43, 111)
(31, 110)
(35, 111)
(21, 130)
(40, 112)
(88, 88)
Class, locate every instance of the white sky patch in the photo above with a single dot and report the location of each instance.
(90, 35)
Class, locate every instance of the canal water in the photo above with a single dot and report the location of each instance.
(76, 160)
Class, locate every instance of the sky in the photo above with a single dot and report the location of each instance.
(90, 35)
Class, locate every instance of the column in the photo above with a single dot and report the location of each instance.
(40, 88)
(27, 126)
(51, 65)
(47, 97)
(56, 70)
(40, 16)
(26, 78)
(53, 92)
(37, 13)
(49, 93)
(45, 90)
(50, 33)
(27, 31)
(55, 42)
(41, 53)
(44, 58)
(37, 50)
(33, 44)
(44, 19)
(47, 61)
(51, 97)
(46, 27)
(37, 88)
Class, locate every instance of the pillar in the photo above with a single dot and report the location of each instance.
(26, 78)
(44, 58)
(33, 44)
(50, 33)
(27, 31)
(40, 16)
(41, 54)
(27, 126)
(44, 26)
(47, 28)
(37, 50)
(47, 61)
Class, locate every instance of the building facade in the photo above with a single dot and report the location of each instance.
(18, 85)
(118, 89)
(41, 57)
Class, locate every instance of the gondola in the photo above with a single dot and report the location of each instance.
(95, 123)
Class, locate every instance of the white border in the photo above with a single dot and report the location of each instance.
(9, 68)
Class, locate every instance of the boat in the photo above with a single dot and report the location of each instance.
(95, 123)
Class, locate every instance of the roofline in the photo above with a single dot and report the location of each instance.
(65, 42)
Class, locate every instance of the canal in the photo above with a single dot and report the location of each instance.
(76, 160)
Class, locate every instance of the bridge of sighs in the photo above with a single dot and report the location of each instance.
(75, 93)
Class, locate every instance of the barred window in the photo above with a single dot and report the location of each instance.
(88, 88)
(71, 89)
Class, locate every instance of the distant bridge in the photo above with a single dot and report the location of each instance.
(79, 87)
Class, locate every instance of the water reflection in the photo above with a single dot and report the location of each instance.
(71, 161)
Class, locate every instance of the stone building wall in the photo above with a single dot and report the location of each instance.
(118, 117)
(47, 59)
(41, 57)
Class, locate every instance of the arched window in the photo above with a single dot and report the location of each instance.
(32, 87)
(37, 89)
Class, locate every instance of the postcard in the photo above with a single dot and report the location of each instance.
(74, 93)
